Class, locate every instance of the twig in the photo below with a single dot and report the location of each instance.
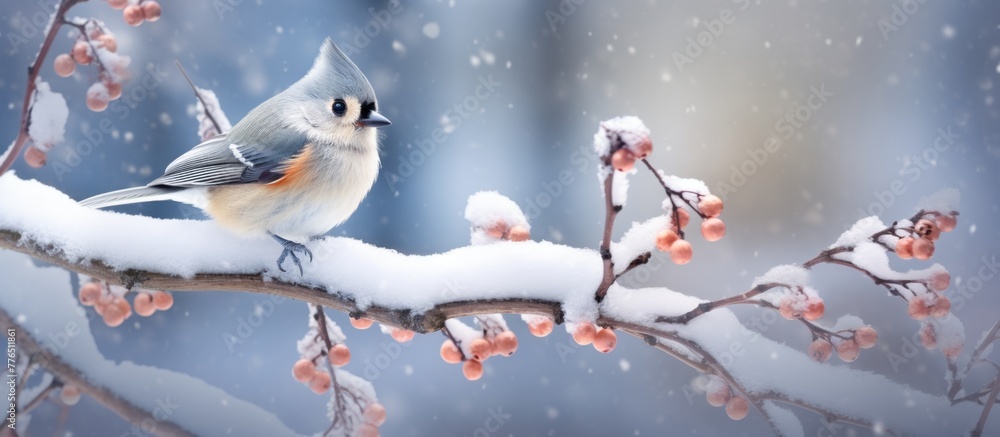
(978, 431)
(37, 400)
(201, 99)
(610, 212)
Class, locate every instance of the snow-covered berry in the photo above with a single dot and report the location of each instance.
(401, 335)
(450, 353)
(375, 414)
(623, 160)
(518, 233)
(584, 334)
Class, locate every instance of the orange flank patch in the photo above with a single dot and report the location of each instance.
(295, 169)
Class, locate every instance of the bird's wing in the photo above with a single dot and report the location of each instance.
(222, 161)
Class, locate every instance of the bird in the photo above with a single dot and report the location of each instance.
(293, 168)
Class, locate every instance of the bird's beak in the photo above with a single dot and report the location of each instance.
(374, 120)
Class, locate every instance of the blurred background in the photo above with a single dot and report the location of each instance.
(713, 80)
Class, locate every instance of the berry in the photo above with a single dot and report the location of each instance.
(97, 97)
(584, 334)
(940, 307)
(904, 248)
(623, 160)
(927, 229)
(375, 414)
(946, 223)
(163, 300)
(923, 249)
(713, 229)
(450, 353)
(151, 10)
(643, 148)
(70, 394)
(737, 408)
(366, 430)
(133, 15)
(90, 293)
(681, 252)
(542, 327)
(952, 352)
(518, 233)
(848, 350)
(340, 355)
(683, 217)
(866, 337)
(81, 53)
(664, 239)
(303, 370)
(918, 308)
(472, 370)
(505, 343)
(361, 323)
(820, 350)
(940, 281)
(605, 340)
(928, 337)
(108, 42)
(401, 335)
(117, 4)
(787, 310)
(113, 315)
(480, 349)
(64, 65)
(717, 396)
(497, 230)
(710, 206)
(114, 89)
(320, 382)
(144, 305)
(35, 157)
(814, 309)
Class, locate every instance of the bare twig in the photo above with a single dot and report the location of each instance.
(197, 94)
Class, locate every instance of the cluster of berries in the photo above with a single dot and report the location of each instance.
(603, 339)
(848, 348)
(920, 243)
(718, 393)
(112, 306)
(135, 13)
(501, 231)
(480, 349)
(712, 228)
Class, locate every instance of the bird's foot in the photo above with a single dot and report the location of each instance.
(290, 248)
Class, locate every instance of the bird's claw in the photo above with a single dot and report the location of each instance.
(290, 247)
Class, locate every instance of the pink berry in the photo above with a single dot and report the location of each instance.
(117, 4)
(151, 10)
(541, 328)
(605, 340)
(163, 300)
(366, 430)
(401, 335)
(918, 308)
(90, 293)
(133, 15)
(713, 229)
(108, 42)
(623, 160)
(518, 233)
(904, 248)
(81, 53)
(144, 305)
(361, 323)
(34, 157)
(497, 229)
(953, 351)
(584, 334)
(737, 408)
(941, 306)
(787, 310)
(64, 65)
(946, 223)
(848, 350)
(664, 239)
(940, 281)
(814, 309)
(113, 315)
(97, 97)
(472, 370)
(866, 337)
(450, 353)
(70, 394)
(480, 349)
(718, 396)
(682, 216)
(681, 252)
(820, 350)
(928, 337)
(340, 355)
(927, 229)
(923, 249)
(505, 343)
(320, 382)
(643, 148)
(710, 206)
(303, 370)
(375, 414)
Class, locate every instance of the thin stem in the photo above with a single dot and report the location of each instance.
(337, 392)
(610, 212)
(44, 394)
(978, 431)
(201, 99)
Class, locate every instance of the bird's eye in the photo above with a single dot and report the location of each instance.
(339, 107)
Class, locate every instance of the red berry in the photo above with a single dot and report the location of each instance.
(163, 300)
(340, 355)
(681, 252)
(35, 157)
(718, 396)
(622, 160)
(472, 370)
(848, 350)
(605, 340)
(497, 230)
(927, 229)
(151, 10)
(941, 306)
(787, 310)
(117, 4)
(144, 305)
(683, 216)
(940, 281)
(401, 335)
(584, 334)
(664, 239)
(643, 148)
(814, 309)
(90, 293)
(820, 350)
(923, 249)
(361, 323)
(366, 430)
(946, 223)
(320, 382)
(866, 337)
(541, 328)
(737, 408)
(70, 394)
(928, 337)
(450, 353)
(713, 229)
(81, 53)
(108, 42)
(375, 414)
(710, 206)
(505, 343)
(303, 370)
(952, 352)
(904, 248)
(64, 65)
(133, 15)
(518, 233)
(480, 349)
(918, 308)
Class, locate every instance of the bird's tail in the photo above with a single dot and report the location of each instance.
(131, 195)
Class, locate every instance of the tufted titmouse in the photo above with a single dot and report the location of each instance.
(293, 168)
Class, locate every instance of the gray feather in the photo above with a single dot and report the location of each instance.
(130, 195)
